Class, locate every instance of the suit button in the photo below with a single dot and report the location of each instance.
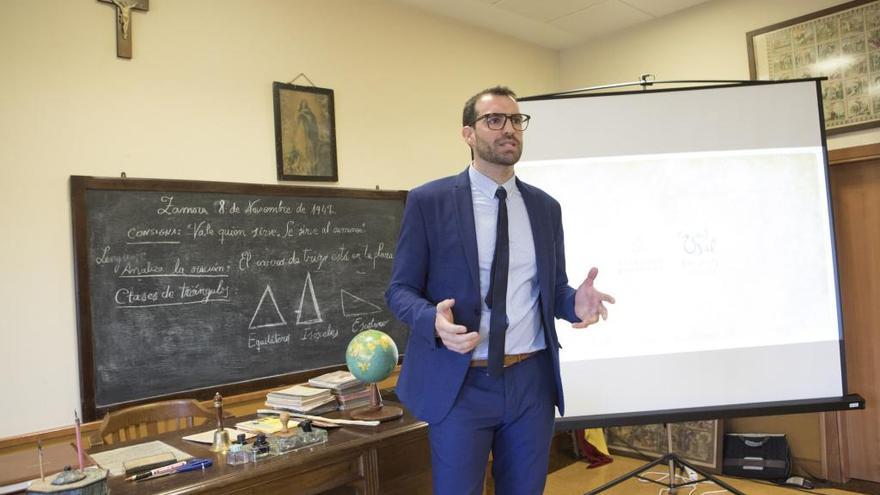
(476, 312)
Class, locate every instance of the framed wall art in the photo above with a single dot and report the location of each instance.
(841, 43)
(305, 133)
(698, 442)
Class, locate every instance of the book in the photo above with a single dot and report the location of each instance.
(287, 401)
(148, 463)
(301, 396)
(299, 390)
(325, 406)
(265, 425)
(115, 458)
(354, 394)
(336, 381)
(355, 399)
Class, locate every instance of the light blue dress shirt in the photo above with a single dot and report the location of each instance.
(524, 334)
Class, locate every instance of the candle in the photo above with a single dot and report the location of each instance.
(79, 447)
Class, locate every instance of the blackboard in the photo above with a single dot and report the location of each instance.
(187, 287)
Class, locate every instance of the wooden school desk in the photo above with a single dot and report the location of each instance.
(392, 458)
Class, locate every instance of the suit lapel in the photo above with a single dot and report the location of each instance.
(540, 225)
(464, 207)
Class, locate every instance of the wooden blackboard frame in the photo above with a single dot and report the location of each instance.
(80, 185)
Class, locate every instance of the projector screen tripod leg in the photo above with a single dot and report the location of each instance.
(671, 460)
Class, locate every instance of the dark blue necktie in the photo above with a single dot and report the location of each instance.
(496, 298)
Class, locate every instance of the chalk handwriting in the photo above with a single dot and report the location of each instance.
(269, 339)
(360, 324)
(105, 258)
(313, 333)
(185, 293)
(256, 207)
(169, 208)
(151, 232)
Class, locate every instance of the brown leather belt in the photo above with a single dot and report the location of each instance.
(509, 360)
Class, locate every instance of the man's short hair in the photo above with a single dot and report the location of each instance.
(469, 115)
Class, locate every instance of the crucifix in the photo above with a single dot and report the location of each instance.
(123, 23)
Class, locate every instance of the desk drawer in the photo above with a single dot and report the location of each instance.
(320, 479)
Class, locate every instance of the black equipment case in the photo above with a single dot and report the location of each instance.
(757, 455)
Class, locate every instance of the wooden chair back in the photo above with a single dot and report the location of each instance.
(147, 420)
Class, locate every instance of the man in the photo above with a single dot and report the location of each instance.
(479, 276)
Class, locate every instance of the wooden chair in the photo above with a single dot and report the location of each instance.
(148, 420)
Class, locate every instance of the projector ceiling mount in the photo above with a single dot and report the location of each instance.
(646, 80)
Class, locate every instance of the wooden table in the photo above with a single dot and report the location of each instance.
(392, 458)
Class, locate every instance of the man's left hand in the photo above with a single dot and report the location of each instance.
(589, 302)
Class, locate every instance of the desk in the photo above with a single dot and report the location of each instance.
(392, 458)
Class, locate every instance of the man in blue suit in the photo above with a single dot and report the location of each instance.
(479, 277)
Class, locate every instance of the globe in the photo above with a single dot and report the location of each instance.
(371, 356)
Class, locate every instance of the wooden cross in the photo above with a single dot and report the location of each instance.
(123, 23)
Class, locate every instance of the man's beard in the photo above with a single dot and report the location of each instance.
(486, 152)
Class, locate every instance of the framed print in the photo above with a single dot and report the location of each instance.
(305, 133)
(841, 43)
(698, 442)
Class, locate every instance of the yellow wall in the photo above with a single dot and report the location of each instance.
(195, 102)
(707, 41)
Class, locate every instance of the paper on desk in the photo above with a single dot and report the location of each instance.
(208, 436)
(113, 459)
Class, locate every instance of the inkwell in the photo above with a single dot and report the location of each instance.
(303, 436)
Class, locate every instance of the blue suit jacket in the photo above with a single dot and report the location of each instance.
(436, 259)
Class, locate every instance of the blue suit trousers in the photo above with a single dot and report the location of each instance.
(512, 415)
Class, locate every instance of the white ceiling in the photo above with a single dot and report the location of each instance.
(554, 24)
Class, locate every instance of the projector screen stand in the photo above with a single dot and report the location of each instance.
(674, 462)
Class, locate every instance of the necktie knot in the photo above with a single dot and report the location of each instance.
(501, 193)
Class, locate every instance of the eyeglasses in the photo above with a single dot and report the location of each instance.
(497, 121)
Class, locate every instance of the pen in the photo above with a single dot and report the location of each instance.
(194, 464)
(171, 468)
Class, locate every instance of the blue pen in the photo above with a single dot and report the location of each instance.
(194, 464)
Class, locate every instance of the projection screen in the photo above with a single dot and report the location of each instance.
(707, 212)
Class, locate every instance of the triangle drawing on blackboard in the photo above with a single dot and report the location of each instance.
(356, 306)
(267, 317)
(309, 312)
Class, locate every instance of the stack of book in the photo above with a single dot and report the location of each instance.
(353, 399)
(302, 398)
(350, 392)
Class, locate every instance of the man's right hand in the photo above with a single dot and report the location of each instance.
(454, 337)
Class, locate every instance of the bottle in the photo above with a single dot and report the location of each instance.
(312, 435)
(260, 448)
(237, 453)
(306, 436)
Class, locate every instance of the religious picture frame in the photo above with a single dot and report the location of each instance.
(697, 442)
(305, 133)
(841, 43)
